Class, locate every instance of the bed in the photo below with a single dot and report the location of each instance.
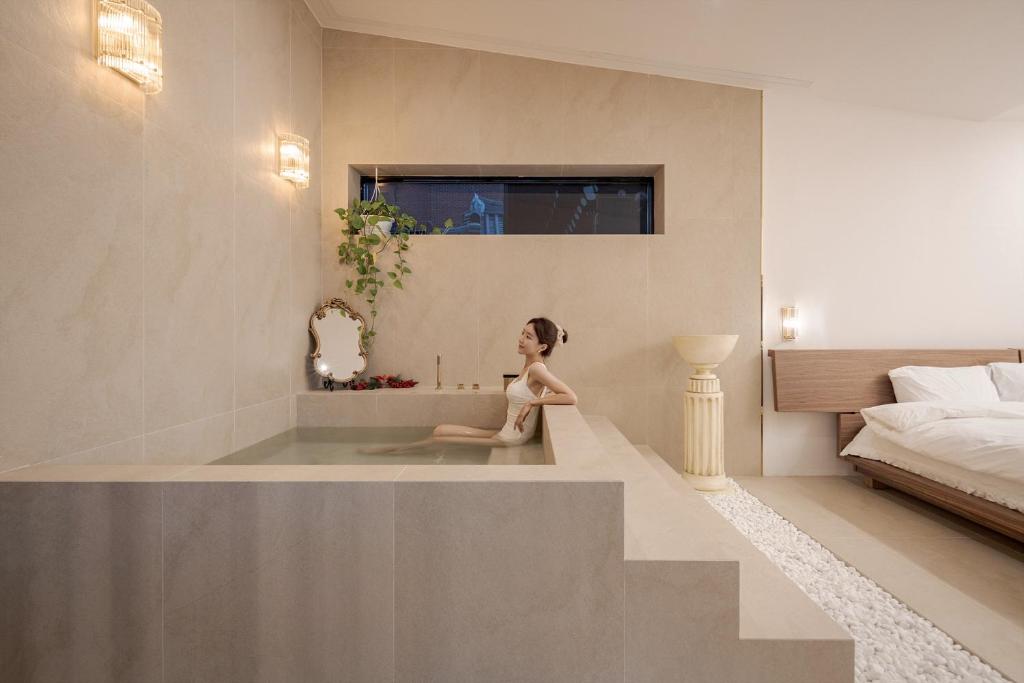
(844, 382)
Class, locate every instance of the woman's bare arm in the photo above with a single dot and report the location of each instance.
(561, 394)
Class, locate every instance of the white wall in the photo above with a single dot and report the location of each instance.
(888, 230)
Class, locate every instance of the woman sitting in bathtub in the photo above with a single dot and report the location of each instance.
(534, 387)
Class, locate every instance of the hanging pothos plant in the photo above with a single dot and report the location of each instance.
(371, 226)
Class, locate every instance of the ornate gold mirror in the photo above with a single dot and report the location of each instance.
(337, 331)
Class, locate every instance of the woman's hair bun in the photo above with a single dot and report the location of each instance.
(547, 334)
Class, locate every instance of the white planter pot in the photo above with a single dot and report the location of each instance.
(383, 226)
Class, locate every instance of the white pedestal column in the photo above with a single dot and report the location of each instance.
(704, 428)
(703, 404)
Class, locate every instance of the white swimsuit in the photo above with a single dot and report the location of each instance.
(518, 394)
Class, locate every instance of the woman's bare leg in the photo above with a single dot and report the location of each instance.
(446, 433)
(460, 430)
(397, 448)
(475, 440)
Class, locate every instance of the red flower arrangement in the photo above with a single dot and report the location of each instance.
(378, 382)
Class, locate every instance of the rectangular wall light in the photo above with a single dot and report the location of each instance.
(790, 323)
(293, 158)
(128, 40)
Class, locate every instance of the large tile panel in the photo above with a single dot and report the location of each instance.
(262, 80)
(359, 106)
(279, 581)
(189, 285)
(80, 582)
(746, 130)
(681, 617)
(305, 296)
(509, 581)
(262, 307)
(437, 115)
(306, 95)
(607, 117)
(522, 110)
(196, 103)
(691, 132)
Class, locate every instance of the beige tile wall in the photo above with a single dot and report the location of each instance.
(620, 297)
(157, 276)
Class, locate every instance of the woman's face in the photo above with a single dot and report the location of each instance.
(528, 343)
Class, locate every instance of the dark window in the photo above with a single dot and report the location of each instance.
(524, 206)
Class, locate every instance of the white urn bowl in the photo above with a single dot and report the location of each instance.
(705, 351)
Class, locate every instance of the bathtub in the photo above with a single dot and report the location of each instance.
(278, 571)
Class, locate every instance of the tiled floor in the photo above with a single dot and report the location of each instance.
(966, 580)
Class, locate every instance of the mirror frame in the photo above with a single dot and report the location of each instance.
(320, 314)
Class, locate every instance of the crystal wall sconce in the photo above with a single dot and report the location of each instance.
(128, 40)
(293, 158)
(790, 323)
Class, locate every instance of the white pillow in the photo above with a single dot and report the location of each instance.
(922, 383)
(1009, 380)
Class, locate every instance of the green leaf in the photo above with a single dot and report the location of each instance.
(348, 283)
(392, 275)
(448, 223)
(398, 283)
(436, 231)
(406, 270)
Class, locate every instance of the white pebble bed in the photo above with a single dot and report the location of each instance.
(893, 643)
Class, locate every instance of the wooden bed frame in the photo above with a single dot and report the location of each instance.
(845, 381)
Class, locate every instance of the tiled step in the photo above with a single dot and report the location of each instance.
(675, 539)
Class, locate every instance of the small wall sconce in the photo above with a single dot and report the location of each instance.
(293, 158)
(790, 323)
(128, 40)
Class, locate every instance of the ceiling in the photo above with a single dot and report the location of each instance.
(953, 58)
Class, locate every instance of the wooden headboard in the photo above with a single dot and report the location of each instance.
(844, 381)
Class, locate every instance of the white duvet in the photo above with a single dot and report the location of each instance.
(984, 437)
